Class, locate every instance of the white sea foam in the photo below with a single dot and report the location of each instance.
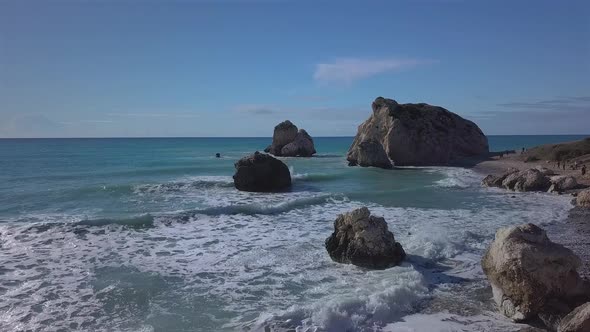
(251, 260)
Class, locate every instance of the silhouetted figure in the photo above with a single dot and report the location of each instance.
(218, 155)
(583, 170)
(522, 150)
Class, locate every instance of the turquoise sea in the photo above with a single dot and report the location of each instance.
(149, 234)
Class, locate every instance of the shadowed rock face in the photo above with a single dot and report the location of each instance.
(531, 276)
(288, 141)
(364, 240)
(419, 134)
(261, 173)
(371, 153)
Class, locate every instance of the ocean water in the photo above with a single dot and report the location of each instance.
(150, 235)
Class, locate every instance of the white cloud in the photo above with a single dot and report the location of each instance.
(348, 70)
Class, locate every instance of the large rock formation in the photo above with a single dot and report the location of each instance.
(419, 134)
(364, 240)
(262, 173)
(287, 141)
(531, 276)
(526, 180)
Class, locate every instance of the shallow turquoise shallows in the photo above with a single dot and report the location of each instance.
(150, 235)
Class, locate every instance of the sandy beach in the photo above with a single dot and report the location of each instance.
(574, 233)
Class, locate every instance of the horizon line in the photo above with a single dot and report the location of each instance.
(222, 137)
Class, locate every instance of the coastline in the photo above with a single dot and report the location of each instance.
(574, 232)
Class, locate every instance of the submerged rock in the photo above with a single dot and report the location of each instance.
(531, 276)
(364, 240)
(288, 141)
(370, 153)
(419, 134)
(261, 173)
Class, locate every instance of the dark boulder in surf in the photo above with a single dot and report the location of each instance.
(261, 173)
(419, 134)
(364, 240)
(288, 141)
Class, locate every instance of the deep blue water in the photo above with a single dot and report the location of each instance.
(149, 234)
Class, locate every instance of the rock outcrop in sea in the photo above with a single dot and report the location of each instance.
(288, 141)
(417, 135)
(261, 173)
(364, 240)
(532, 277)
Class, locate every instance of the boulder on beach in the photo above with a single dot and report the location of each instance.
(288, 141)
(576, 321)
(496, 180)
(419, 135)
(583, 199)
(364, 240)
(261, 173)
(545, 171)
(531, 276)
(370, 153)
(526, 180)
(562, 183)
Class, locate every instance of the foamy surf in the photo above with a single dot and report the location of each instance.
(182, 249)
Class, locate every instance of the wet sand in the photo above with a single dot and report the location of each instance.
(574, 233)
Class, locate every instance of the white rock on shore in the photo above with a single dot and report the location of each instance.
(532, 276)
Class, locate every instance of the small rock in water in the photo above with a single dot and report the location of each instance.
(261, 173)
(288, 141)
(364, 240)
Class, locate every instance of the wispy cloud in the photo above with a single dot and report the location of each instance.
(556, 104)
(348, 70)
(187, 115)
(559, 115)
(256, 109)
(74, 123)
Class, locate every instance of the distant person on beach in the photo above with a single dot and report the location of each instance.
(522, 150)
(583, 170)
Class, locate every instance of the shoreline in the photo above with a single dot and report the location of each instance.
(574, 231)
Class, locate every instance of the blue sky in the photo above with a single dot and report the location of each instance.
(237, 68)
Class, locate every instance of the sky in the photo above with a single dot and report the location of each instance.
(237, 68)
